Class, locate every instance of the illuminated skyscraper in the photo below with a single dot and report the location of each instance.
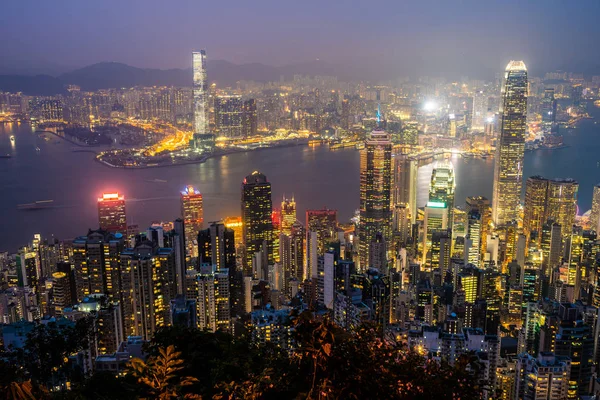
(375, 192)
(548, 111)
(441, 189)
(288, 215)
(534, 217)
(595, 213)
(483, 207)
(480, 106)
(405, 183)
(257, 209)
(250, 118)
(229, 116)
(200, 92)
(203, 138)
(111, 213)
(235, 224)
(436, 219)
(510, 146)
(193, 218)
(562, 203)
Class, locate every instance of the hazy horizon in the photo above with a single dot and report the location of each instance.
(425, 38)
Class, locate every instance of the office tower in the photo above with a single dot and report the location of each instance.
(405, 183)
(595, 213)
(96, 258)
(249, 118)
(401, 223)
(480, 106)
(200, 92)
(535, 215)
(147, 293)
(562, 203)
(483, 207)
(175, 239)
(321, 230)
(276, 222)
(543, 377)
(61, 289)
(442, 186)
(551, 245)
(510, 146)
(296, 267)
(28, 269)
(441, 246)
(410, 133)
(572, 255)
(111, 213)
(375, 192)
(192, 213)
(288, 215)
(576, 94)
(213, 298)
(229, 116)
(216, 247)
(548, 111)
(109, 332)
(256, 217)
(473, 238)
(377, 253)
(436, 219)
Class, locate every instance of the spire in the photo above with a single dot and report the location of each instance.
(378, 114)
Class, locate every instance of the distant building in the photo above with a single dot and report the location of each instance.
(111, 213)
(192, 212)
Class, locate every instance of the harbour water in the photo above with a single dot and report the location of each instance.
(316, 176)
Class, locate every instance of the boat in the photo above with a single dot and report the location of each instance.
(38, 205)
(12, 138)
(5, 156)
(156, 180)
(38, 149)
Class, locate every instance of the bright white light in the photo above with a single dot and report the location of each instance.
(430, 105)
(490, 119)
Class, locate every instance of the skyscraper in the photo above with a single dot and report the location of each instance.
(203, 138)
(548, 111)
(534, 217)
(257, 220)
(375, 192)
(288, 215)
(229, 116)
(595, 214)
(510, 146)
(405, 183)
(111, 213)
(193, 218)
(480, 106)
(250, 118)
(562, 203)
(441, 189)
(200, 92)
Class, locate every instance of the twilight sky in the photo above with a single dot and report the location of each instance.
(423, 36)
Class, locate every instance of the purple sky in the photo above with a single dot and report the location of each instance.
(419, 35)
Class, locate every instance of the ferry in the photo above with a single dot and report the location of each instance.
(12, 138)
(38, 205)
(5, 156)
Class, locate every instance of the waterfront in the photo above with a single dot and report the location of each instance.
(316, 176)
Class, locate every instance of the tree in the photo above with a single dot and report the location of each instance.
(160, 376)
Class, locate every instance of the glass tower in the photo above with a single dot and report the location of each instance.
(375, 192)
(200, 92)
(510, 146)
(192, 213)
(111, 213)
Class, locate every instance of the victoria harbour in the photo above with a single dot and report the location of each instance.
(316, 176)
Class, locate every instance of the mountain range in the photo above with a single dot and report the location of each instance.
(106, 75)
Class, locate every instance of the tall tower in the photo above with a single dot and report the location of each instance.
(375, 192)
(405, 183)
(193, 218)
(257, 208)
(510, 146)
(229, 115)
(441, 189)
(562, 203)
(534, 216)
(111, 213)
(595, 214)
(200, 92)
(548, 111)
(288, 215)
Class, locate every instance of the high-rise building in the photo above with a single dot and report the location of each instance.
(375, 192)
(288, 215)
(548, 111)
(249, 118)
(483, 207)
(204, 140)
(405, 183)
(235, 224)
(192, 213)
(436, 219)
(473, 239)
(111, 213)
(200, 92)
(595, 213)
(257, 209)
(510, 146)
(96, 259)
(229, 116)
(216, 247)
(545, 377)
(213, 299)
(562, 203)
(480, 107)
(535, 215)
(442, 187)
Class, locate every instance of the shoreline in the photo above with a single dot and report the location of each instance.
(201, 160)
